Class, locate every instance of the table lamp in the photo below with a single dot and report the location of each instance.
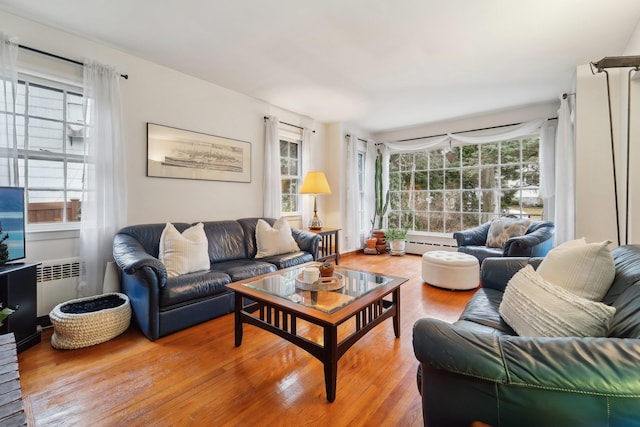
(315, 183)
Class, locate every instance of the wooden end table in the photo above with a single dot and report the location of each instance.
(277, 304)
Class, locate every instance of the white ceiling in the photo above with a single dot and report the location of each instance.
(376, 64)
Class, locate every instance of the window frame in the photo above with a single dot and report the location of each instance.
(292, 136)
(26, 153)
(405, 195)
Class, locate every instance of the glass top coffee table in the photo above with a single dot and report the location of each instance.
(278, 300)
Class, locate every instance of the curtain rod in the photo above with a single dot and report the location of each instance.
(359, 139)
(53, 55)
(464, 131)
(289, 124)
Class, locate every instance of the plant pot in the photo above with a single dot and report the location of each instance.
(381, 244)
(326, 270)
(371, 243)
(397, 246)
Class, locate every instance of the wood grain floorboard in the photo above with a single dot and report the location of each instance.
(196, 377)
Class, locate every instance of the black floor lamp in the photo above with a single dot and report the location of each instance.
(632, 62)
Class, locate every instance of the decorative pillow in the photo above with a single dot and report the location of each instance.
(586, 269)
(534, 307)
(502, 229)
(184, 253)
(274, 240)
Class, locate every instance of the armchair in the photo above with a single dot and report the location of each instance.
(478, 369)
(537, 241)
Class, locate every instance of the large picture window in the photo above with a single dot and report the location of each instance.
(461, 187)
(50, 150)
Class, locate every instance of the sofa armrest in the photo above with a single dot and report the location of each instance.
(473, 236)
(307, 241)
(522, 245)
(495, 272)
(579, 365)
(131, 257)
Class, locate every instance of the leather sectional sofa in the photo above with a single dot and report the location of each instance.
(163, 305)
(479, 369)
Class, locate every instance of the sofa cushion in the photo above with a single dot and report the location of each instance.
(242, 269)
(483, 309)
(502, 229)
(586, 269)
(274, 240)
(185, 252)
(534, 307)
(191, 287)
(226, 241)
(288, 260)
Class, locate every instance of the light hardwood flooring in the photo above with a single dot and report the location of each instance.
(197, 377)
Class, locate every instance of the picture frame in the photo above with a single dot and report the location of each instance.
(183, 154)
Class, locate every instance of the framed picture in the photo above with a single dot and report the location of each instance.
(178, 153)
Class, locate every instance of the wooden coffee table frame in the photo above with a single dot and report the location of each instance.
(279, 315)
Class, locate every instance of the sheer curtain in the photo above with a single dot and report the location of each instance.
(8, 140)
(352, 211)
(306, 202)
(104, 193)
(565, 186)
(271, 183)
(369, 184)
(548, 169)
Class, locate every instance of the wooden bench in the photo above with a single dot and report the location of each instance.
(11, 406)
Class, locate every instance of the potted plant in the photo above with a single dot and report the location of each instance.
(380, 207)
(397, 240)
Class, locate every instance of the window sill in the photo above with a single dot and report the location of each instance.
(35, 233)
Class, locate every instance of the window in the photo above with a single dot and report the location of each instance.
(437, 191)
(290, 172)
(50, 126)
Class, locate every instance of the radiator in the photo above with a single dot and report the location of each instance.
(419, 243)
(57, 282)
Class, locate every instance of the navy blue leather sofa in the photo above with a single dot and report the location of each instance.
(164, 305)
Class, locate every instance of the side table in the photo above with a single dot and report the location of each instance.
(329, 244)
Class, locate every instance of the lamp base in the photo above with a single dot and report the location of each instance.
(315, 223)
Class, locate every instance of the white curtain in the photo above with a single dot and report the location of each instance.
(306, 201)
(272, 190)
(104, 193)
(352, 211)
(565, 187)
(548, 168)
(369, 184)
(9, 175)
(488, 136)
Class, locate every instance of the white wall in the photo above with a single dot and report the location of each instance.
(595, 201)
(160, 95)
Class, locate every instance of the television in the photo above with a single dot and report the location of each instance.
(12, 239)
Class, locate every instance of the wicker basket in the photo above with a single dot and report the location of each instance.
(88, 321)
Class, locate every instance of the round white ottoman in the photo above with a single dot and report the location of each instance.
(450, 270)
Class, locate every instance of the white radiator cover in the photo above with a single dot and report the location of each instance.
(57, 281)
(419, 243)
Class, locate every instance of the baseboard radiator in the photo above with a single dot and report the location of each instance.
(419, 243)
(57, 282)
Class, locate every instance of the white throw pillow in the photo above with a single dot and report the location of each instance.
(274, 240)
(586, 269)
(534, 307)
(184, 253)
(502, 229)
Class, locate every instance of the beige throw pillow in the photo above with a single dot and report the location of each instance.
(502, 229)
(274, 240)
(534, 307)
(586, 269)
(184, 253)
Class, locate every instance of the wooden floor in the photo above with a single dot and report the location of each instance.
(197, 376)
